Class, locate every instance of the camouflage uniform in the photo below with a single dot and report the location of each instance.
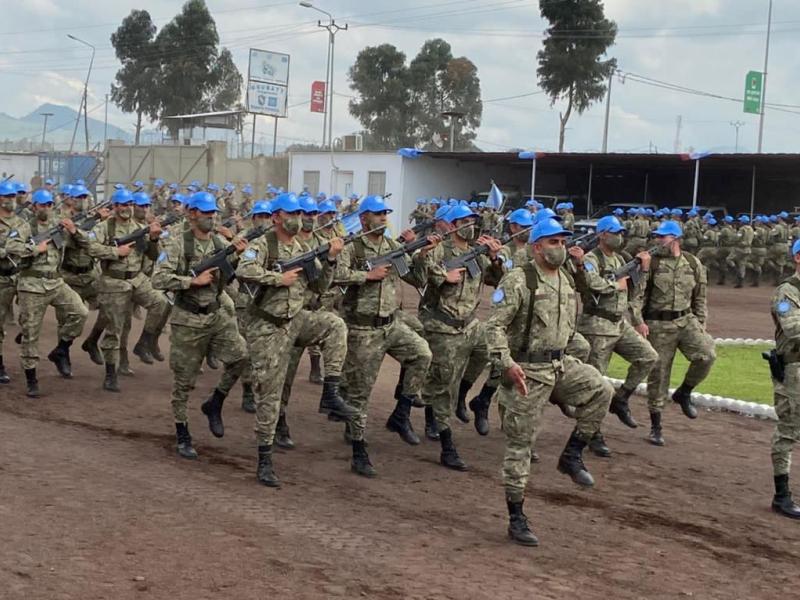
(692, 233)
(709, 251)
(739, 256)
(535, 337)
(727, 240)
(638, 232)
(759, 251)
(9, 267)
(778, 255)
(568, 220)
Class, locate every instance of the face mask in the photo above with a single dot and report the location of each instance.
(308, 224)
(139, 213)
(7, 205)
(205, 224)
(124, 213)
(43, 215)
(555, 257)
(467, 234)
(376, 227)
(615, 241)
(326, 222)
(291, 224)
(663, 250)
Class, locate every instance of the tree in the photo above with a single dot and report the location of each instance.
(570, 65)
(225, 83)
(133, 91)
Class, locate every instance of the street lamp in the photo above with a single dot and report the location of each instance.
(333, 29)
(85, 96)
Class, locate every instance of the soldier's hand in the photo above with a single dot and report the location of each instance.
(336, 247)
(516, 375)
(41, 247)
(69, 225)
(123, 251)
(454, 276)
(104, 213)
(622, 284)
(577, 253)
(289, 277)
(155, 230)
(644, 258)
(408, 235)
(643, 330)
(492, 244)
(240, 244)
(433, 241)
(225, 232)
(205, 278)
(378, 273)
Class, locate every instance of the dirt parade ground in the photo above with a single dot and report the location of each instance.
(94, 502)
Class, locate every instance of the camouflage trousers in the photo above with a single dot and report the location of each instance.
(787, 407)
(71, 314)
(758, 257)
(451, 353)
(8, 289)
(188, 349)
(242, 319)
(778, 260)
(294, 362)
(631, 346)
(737, 260)
(708, 256)
(366, 347)
(569, 382)
(270, 347)
(85, 284)
(115, 310)
(687, 335)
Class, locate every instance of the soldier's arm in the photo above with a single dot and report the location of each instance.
(637, 300)
(345, 274)
(493, 270)
(593, 281)
(252, 266)
(699, 294)
(98, 247)
(17, 242)
(165, 272)
(429, 266)
(786, 309)
(507, 300)
(326, 270)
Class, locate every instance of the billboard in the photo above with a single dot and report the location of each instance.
(318, 97)
(269, 67)
(266, 99)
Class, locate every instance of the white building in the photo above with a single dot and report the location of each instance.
(21, 165)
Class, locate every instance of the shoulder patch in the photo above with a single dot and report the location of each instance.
(92, 235)
(162, 257)
(250, 253)
(588, 266)
(508, 264)
(783, 307)
(13, 233)
(498, 295)
(164, 234)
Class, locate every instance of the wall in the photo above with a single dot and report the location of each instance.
(22, 166)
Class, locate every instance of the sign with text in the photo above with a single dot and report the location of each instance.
(269, 67)
(752, 92)
(318, 97)
(266, 99)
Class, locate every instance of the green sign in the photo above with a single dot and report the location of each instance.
(752, 92)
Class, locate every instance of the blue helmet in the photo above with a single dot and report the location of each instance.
(712, 221)
(609, 224)
(141, 199)
(122, 196)
(335, 198)
(203, 201)
(522, 217)
(463, 203)
(669, 228)
(618, 212)
(22, 188)
(7, 189)
(262, 207)
(764, 219)
(441, 212)
(173, 187)
(544, 214)
(321, 196)
(796, 246)
(676, 212)
(49, 181)
(435, 202)
(212, 187)
(530, 202)
(248, 189)
(452, 202)
(354, 196)
(138, 183)
(744, 219)
(692, 213)
(459, 212)
(728, 219)
(560, 206)
(308, 205)
(632, 210)
(648, 212)
(80, 182)
(65, 189)
(473, 205)
(569, 205)
(287, 202)
(159, 183)
(326, 207)
(783, 214)
(373, 204)
(42, 196)
(547, 228)
(481, 204)
(76, 191)
(228, 187)
(421, 201)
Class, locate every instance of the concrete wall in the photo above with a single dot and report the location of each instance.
(21, 165)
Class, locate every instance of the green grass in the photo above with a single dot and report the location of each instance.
(739, 373)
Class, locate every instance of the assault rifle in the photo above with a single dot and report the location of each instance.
(469, 261)
(56, 234)
(219, 260)
(633, 268)
(138, 237)
(586, 242)
(234, 219)
(22, 207)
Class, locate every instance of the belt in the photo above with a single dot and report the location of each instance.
(365, 321)
(124, 275)
(75, 270)
(195, 308)
(665, 315)
(269, 317)
(40, 274)
(543, 356)
(443, 317)
(9, 271)
(596, 311)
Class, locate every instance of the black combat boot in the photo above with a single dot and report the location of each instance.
(598, 445)
(184, 441)
(248, 398)
(90, 346)
(331, 401)
(315, 375)
(683, 396)
(361, 464)
(283, 437)
(739, 281)
(756, 280)
(400, 421)
(212, 408)
(431, 429)
(211, 360)
(266, 475)
(480, 406)
(124, 366)
(655, 437)
(32, 382)
(449, 456)
(398, 390)
(142, 349)
(571, 461)
(4, 378)
(518, 529)
(59, 356)
(155, 351)
(110, 383)
(782, 502)
(619, 406)
(461, 402)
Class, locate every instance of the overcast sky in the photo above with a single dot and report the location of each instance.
(707, 45)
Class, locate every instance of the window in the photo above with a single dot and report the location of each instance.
(376, 183)
(311, 181)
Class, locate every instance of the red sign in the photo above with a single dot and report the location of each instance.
(318, 97)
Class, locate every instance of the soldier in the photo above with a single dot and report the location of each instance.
(123, 284)
(739, 256)
(419, 214)
(758, 256)
(246, 205)
(10, 225)
(692, 232)
(199, 318)
(370, 310)
(447, 312)
(567, 216)
(785, 368)
(727, 239)
(277, 321)
(24, 210)
(778, 246)
(709, 245)
(604, 324)
(638, 233)
(532, 318)
(40, 285)
(671, 314)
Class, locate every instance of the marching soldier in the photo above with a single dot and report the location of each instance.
(10, 225)
(727, 240)
(779, 240)
(739, 257)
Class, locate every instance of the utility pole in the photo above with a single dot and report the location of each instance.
(454, 115)
(105, 123)
(85, 96)
(764, 83)
(676, 148)
(608, 110)
(44, 127)
(737, 125)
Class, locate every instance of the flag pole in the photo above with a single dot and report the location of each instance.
(533, 178)
(696, 182)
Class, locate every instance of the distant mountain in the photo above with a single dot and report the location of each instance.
(60, 127)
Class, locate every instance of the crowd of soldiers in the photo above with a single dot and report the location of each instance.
(249, 284)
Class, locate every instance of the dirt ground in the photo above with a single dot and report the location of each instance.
(94, 503)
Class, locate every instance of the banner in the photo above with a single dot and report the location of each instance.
(318, 97)
(266, 99)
